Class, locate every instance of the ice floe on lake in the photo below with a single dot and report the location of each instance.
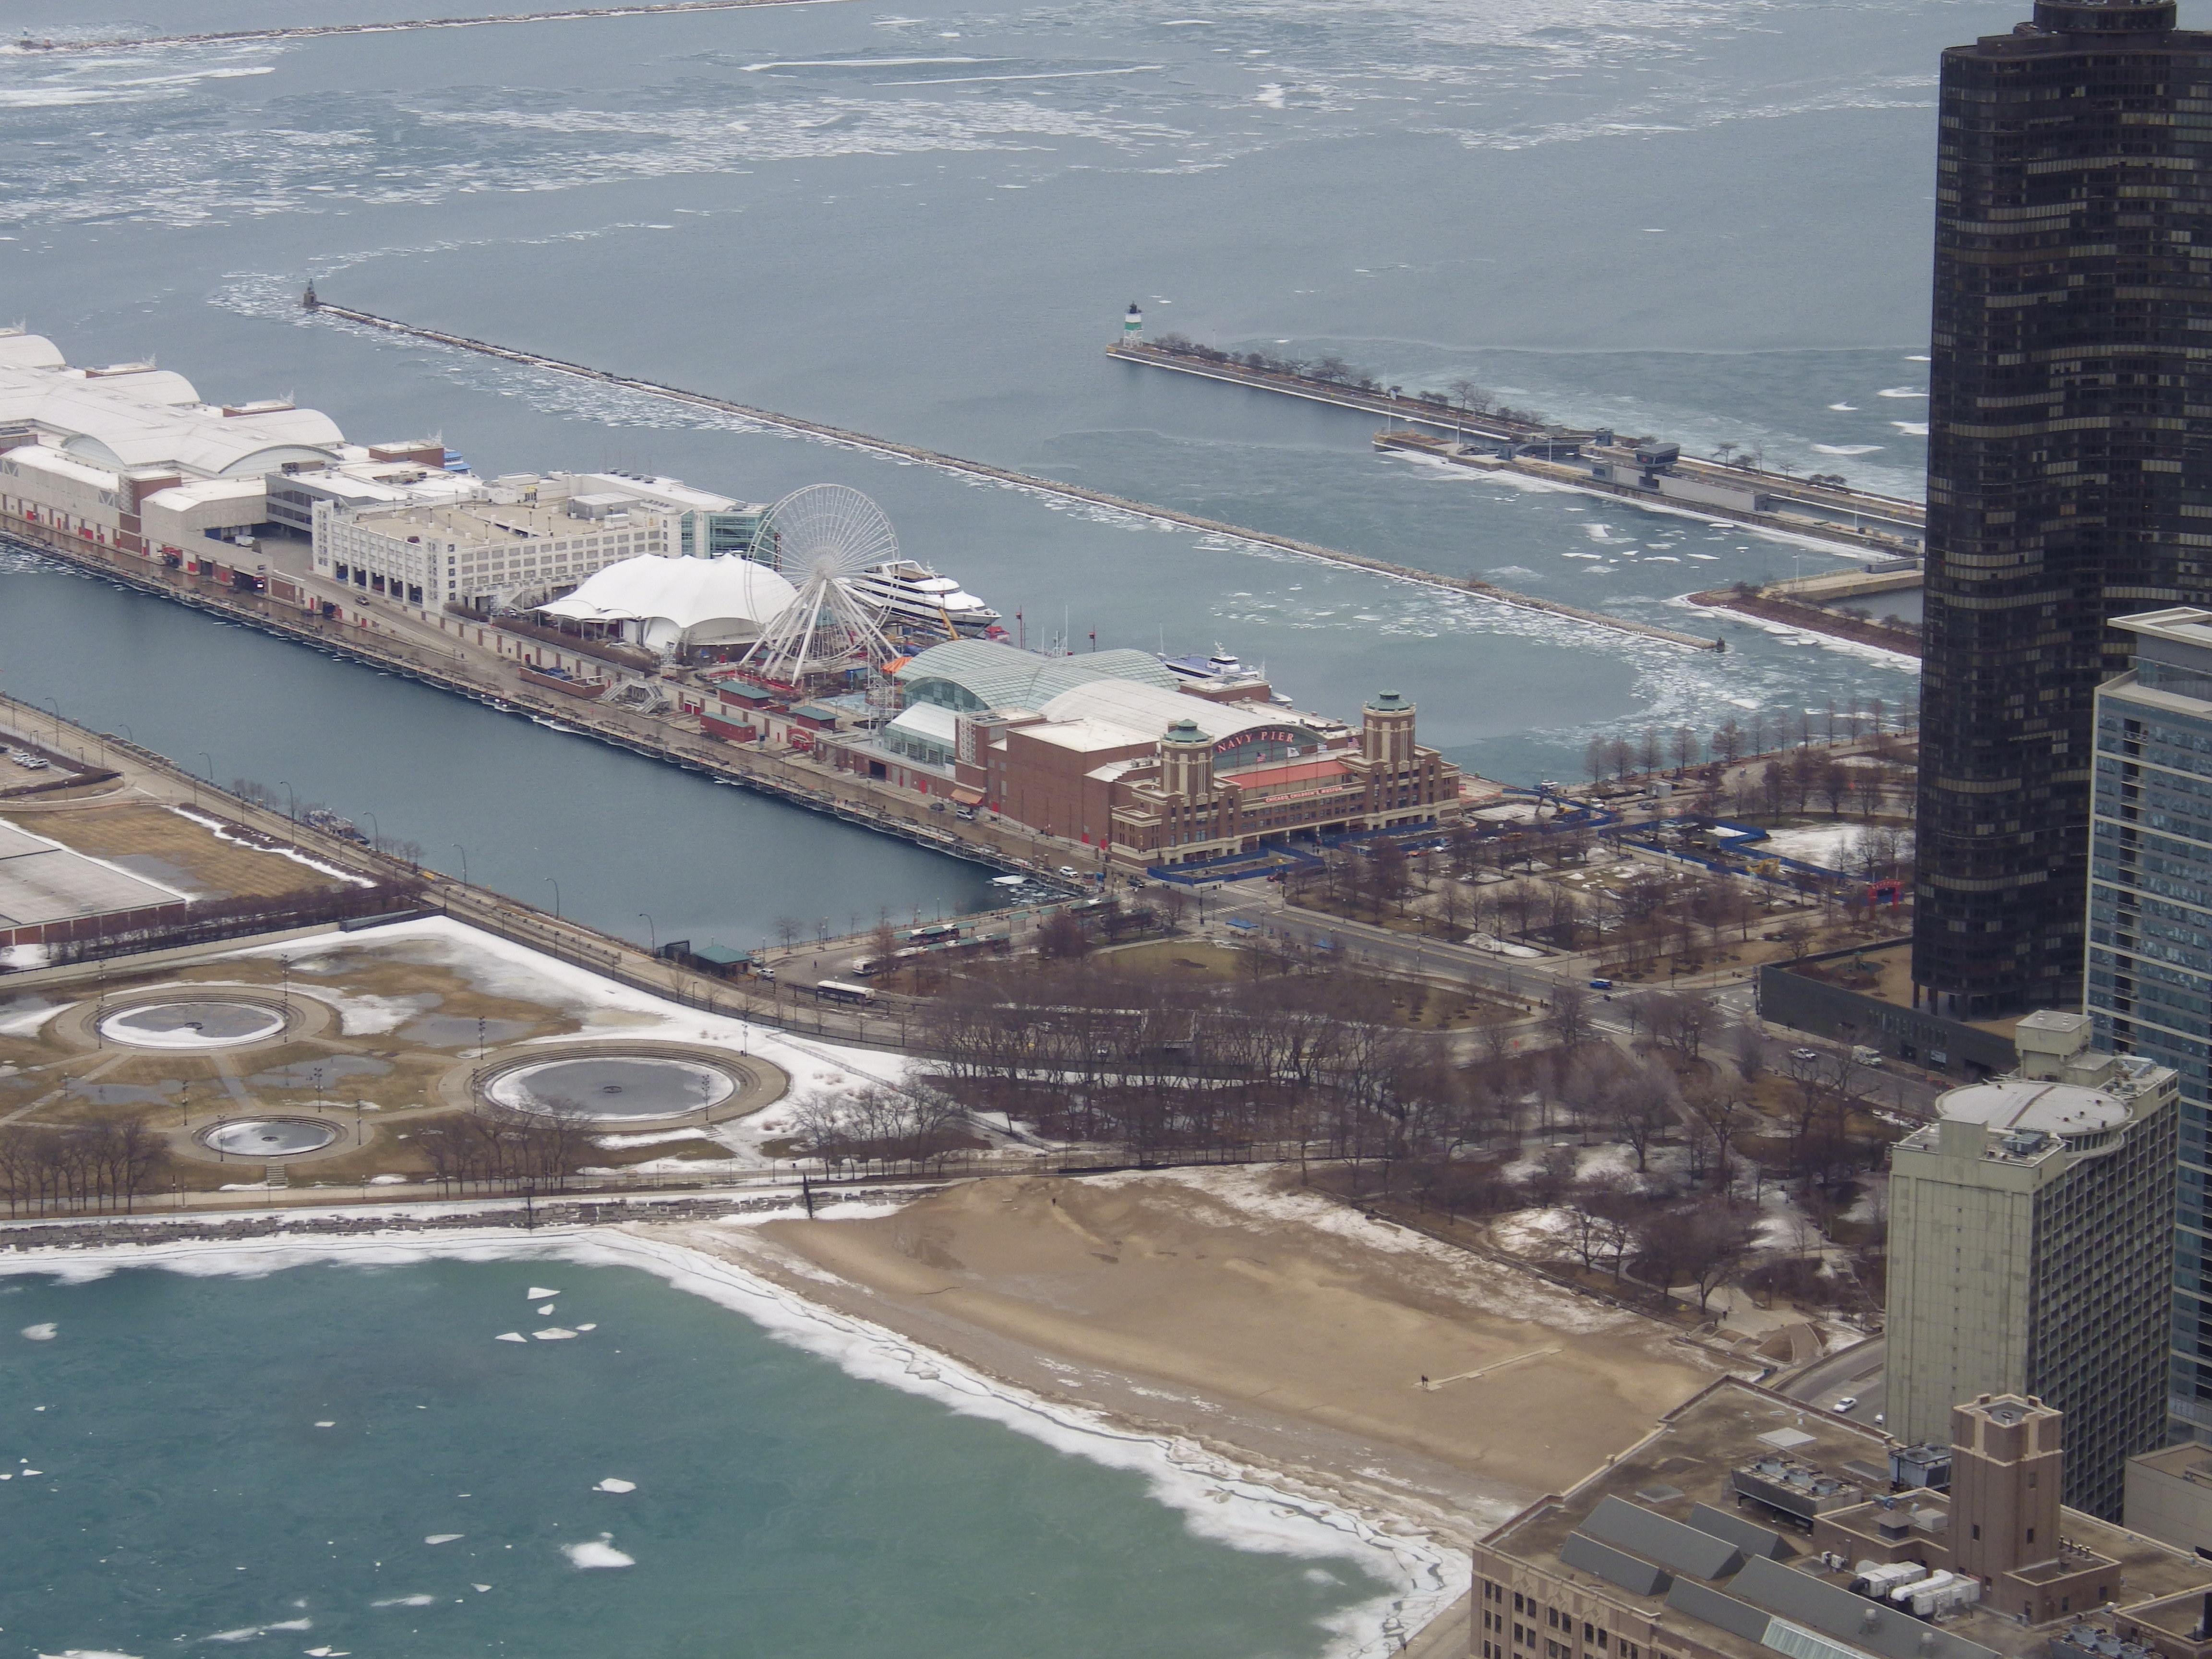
(599, 1553)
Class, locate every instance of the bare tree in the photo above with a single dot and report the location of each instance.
(1569, 1017)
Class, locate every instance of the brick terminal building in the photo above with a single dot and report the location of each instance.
(1111, 751)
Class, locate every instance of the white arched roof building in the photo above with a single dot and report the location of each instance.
(134, 415)
(672, 603)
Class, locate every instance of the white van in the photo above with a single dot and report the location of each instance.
(1863, 1055)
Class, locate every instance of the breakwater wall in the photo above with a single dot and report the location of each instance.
(428, 1214)
(1028, 481)
(1823, 514)
(1814, 619)
(398, 26)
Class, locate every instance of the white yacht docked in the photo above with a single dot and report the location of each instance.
(914, 595)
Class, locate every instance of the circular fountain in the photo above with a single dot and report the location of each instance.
(613, 1088)
(185, 1026)
(268, 1137)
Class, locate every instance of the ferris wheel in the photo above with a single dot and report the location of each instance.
(822, 538)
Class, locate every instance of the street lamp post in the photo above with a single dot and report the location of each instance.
(651, 934)
(463, 852)
(57, 719)
(556, 898)
(291, 809)
(210, 759)
(375, 833)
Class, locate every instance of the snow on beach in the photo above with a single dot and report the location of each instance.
(1218, 1500)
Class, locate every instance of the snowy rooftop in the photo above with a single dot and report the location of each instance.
(135, 416)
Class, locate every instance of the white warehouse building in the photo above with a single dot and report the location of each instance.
(82, 449)
(524, 539)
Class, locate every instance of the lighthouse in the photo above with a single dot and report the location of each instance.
(1133, 325)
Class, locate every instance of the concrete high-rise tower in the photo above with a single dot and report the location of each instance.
(2031, 1251)
(2069, 460)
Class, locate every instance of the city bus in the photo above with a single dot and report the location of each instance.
(934, 934)
(832, 990)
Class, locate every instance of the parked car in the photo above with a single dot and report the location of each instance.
(1847, 1403)
(1068, 870)
(1600, 985)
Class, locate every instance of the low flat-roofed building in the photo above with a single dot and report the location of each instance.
(1682, 1547)
(179, 523)
(2169, 1495)
(50, 892)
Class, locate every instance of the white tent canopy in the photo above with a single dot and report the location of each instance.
(663, 603)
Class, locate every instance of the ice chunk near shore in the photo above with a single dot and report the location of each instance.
(248, 1632)
(599, 1553)
(537, 1293)
(405, 1602)
(87, 1653)
(547, 1309)
(444, 1537)
(40, 1333)
(587, 1327)
(611, 1484)
(554, 1334)
(510, 1336)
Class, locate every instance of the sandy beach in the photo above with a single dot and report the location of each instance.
(1267, 1324)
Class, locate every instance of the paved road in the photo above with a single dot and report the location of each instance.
(1857, 1370)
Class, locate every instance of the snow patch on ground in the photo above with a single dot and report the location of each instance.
(1822, 844)
(1495, 1288)
(215, 826)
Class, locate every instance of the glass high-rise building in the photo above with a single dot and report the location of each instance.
(2069, 463)
(2150, 930)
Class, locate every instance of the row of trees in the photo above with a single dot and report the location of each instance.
(1161, 1064)
(56, 1172)
(1676, 750)
(497, 1149)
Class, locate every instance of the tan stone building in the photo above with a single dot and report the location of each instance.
(2031, 1233)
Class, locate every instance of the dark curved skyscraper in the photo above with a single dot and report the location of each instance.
(2069, 461)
